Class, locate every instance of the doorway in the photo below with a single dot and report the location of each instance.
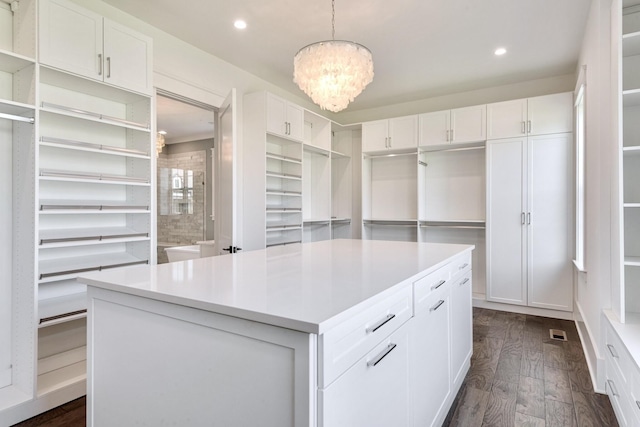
(185, 190)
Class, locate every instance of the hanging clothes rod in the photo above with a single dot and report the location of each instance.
(17, 118)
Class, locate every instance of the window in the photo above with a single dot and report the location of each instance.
(580, 137)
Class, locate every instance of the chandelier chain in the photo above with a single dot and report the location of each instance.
(333, 19)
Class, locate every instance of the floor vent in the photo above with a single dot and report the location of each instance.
(557, 334)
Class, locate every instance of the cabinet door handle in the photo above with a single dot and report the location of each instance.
(389, 142)
(437, 285)
(613, 351)
(528, 218)
(463, 266)
(522, 129)
(612, 386)
(447, 135)
(108, 67)
(380, 323)
(522, 218)
(99, 64)
(437, 306)
(382, 355)
(452, 135)
(529, 126)
(466, 280)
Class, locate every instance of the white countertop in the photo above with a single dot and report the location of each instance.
(307, 287)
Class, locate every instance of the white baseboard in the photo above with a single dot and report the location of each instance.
(590, 351)
(533, 311)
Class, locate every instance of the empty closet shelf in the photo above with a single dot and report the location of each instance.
(461, 224)
(79, 235)
(632, 261)
(89, 146)
(270, 245)
(280, 209)
(316, 221)
(283, 158)
(59, 268)
(284, 176)
(283, 193)
(56, 108)
(82, 206)
(283, 227)
(62, 309)
(391, 222)
(335, 220)
(89, 176)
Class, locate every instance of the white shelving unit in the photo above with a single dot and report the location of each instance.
(77, 160)
(304, 202)
(630, 162)
(344, 142)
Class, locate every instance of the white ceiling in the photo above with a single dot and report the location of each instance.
(183, 122)
(421, 48)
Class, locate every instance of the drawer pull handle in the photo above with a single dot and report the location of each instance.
(463, 266)
(382, 355)
(612, 386)
(466, 280)
(613, 351)
(437, 306)
(437, 285)
(380, 323)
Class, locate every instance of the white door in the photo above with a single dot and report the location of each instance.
(434, 128)
(550, 248)
(506, 119)
(403, 132)
(71, 38)
(127, 58)
(225, 180)
(506, 216)
(550, 114)
(295, 121)
(468, 124)
(375, 136)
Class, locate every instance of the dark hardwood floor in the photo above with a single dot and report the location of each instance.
(519, 377)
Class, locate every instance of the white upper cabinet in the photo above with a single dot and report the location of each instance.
(284, 118)
(399, 133)
(82, 42)
(541, 115)
(453, 126)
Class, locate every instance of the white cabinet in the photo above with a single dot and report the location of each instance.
(541, 115)
(528, 221)
(400, 133)
(82, 42)
(284, 118)
(456, 126)
(374, 391)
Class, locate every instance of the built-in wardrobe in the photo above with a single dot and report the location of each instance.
(76, 138)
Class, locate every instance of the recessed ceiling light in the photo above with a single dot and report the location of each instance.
(500, 51)
(240, 24)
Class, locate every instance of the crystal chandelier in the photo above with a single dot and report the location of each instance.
(333, 72)
(159, 142)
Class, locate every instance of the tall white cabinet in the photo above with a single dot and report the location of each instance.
(529, 211)
(79, 153)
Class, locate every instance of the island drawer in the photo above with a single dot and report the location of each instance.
(342, 346)
(432, 282)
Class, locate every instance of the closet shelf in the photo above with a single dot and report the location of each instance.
(52, 311)
(391, 222)
(339, 155)
(633, 261)
(340, 220)
(632, 150)
(88, 146)
(87, 236)
(58, 175)
(280, 209)
(631, 97)
(315, 149)
(11, 62)
(462, 223)
(284, 176)
(89, 115)
(284, 193)
(284, 158)
(65, 268)
(19, 109)
(89, 206)
(292, 242)
(272, 228)
(631, 44)
(316, 221)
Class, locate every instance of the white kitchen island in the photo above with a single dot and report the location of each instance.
(333, 333)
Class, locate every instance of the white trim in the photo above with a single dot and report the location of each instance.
(533, 311)
(579, 267)
(585, 341)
